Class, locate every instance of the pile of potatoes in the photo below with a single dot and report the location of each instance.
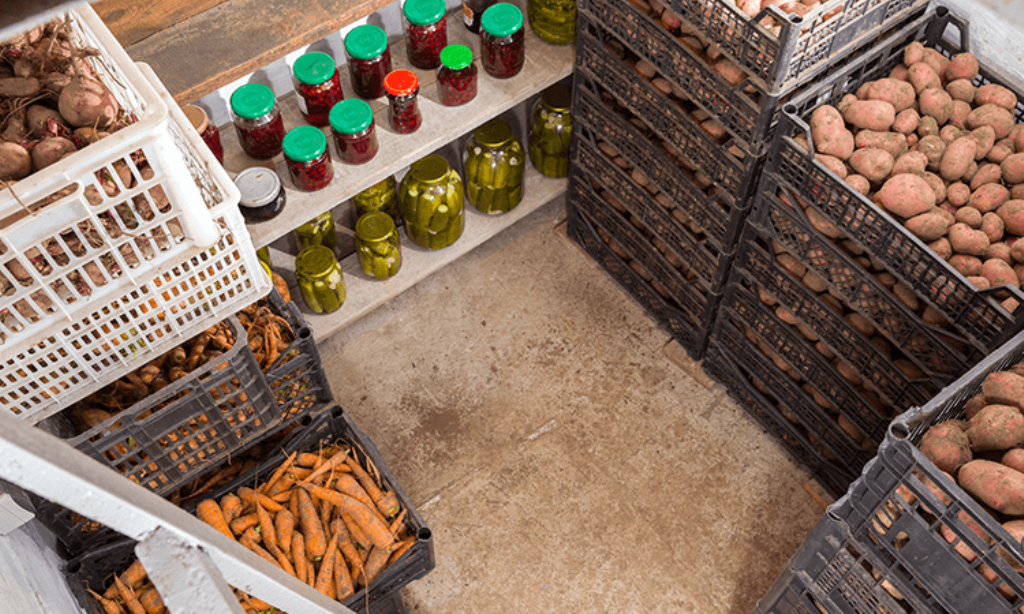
(941, 155)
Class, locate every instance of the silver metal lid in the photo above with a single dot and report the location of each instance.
(259, 186)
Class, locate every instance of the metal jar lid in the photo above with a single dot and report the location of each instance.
(259, 187)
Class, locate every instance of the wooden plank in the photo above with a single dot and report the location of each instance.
(131, 21)
(17, 16)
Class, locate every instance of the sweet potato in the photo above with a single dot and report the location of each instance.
(992, 115)
(87, 102)
(993, 227)
(892, 142)
(995, 94)
(923, 77)
(928, 226)
(996, 427)
(906, 121)
(15, 162)
(961, 89)
(1013, 168)
(875, 164)
(957, 158)
(1004, 388)
(935, 102)
(899, 94)
(1012, 212)
(995, 485)
(875, 115)
(962, 66)
(830, 134)
(906, 195)
(947, 445)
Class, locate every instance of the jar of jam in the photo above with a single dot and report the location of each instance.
(317, 231)
(494, 164)
(502, 40)
(320, 280)
(257, 121)
(305, 155)
(380, 255)
(403, 88)
(319, 86)
(472, 11)
(207, 131)
(382, 196)
(456, 79)
(554, 21)
(262, 194)
(353, 127)
(425, 32)
(551, 132)
(369, 60)
(432, 199)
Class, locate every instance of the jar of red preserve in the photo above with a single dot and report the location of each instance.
(207, 131)
(319, 86)
(305, 155)
(425, 32)
(353, 127)
(456, 79)
(257, 120)
(369, 60)
(403, 88)
(502, 40)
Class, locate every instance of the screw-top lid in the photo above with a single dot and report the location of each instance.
(493, 134)
(304, 143)
(558, 97)
(423, 12)
(314, 261)
(366, 42)
(314, 68)
(456, 57)
(252, 101)
(401, 82)
(375, 226)
(431, 169)
(351, 116)
(196, 116)
(258, 186)
(502, 19)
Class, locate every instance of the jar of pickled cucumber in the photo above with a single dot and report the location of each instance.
(494, 163)
(382, 196)
(320, 279)
(380, 255)
(317, 231)
(551, 132)
(263, 254)
(554, 21)
(431, 196)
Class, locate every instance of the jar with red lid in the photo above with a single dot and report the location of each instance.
(257, 120)
(502, 40)
(457, 77)
(403, 88)
(319, 86)
(305, 155)
(425, 32)
(369, 60)
(353, 127)
(207, 131)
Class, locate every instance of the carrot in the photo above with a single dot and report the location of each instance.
(370, 486)
(326, 510)
(285, 564)
(281, 487)
(284, 525)
(356, 532)
(342, 579)
(325, 577)
(307, 459)
(209, 512)
(300, 472)
(333, 462)
(400, 549)
(129, 597)
(398, 524)
(350, 486)
(283, 497)
(252, 534)
(260, 605)
(131, 576)
(268, 531)
(389, 504)
(252, 545)
(109, 605)
(231, 506)
(348, 549)
(368, 521)
(151, 601)
(375, 564)
(240, 524)
(250, 496)
(278, 473)
(293, 503)
(299, 557)
(316, 541)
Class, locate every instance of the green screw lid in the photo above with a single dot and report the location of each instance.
(374, 226)
(493, 134)
(456, 57)
(430, 169)
(315, 261)
(304, 143)
(351, 116)
(366, 42)
(252, 101)
(502, 19)
(558, 97)
(314, 68)
(423, 12)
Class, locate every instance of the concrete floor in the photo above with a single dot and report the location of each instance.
(563, 463)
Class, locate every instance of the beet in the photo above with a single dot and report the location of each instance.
(15, 162)
(87, 102)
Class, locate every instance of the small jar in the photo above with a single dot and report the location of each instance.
(262, 194)
(319, 86)
(425, 32)
(305, 155)
(382, 196)
(457, 77)
(317, 231)
(380, 255)
(369, 60)
(353, 127)
(432, 199)
(502, 40)
(551, 132)
(320, 280)
(472, 11)
(494, 163)
(257, 121)
(553, 21)
(207, 131)
(263, 254)
(403, 88)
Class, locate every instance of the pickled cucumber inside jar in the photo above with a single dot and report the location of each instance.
(431, 198)
(377, 245)
(551, 132)
(320, 279)
(553, 21)
(317, 231)
(382, 196)
(494, 162)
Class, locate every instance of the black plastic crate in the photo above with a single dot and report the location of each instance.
(297, 378)
(96, 568)
(976, 314)
(684, 328)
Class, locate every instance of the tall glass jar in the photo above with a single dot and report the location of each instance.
(380, 255)
(457, 77)
(502, 40)
(320, 279)
(554, 21)
(425, 32)
(382, 196)
(551, 132)
(317, 231)
(354, 131)
(473, 10)
(432, 199)
(369, 60)
(262, 194)
(494, 163)
(403, 88)
(305, 155)
(257, 121)
(207, 130)
(319, 86)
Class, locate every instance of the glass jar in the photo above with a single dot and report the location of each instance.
(320, 279)
(317, 231)
(355, 136)
(494, 163)
(551, 132)
(456, 79)
(257, 121)
(403, 88)
(305, 155)
(382, 196)
(501, 40)
(207, 131)
(554, 21)
(319, 86)
(263, 254)
(432, 200)
(473, 10)
(369, 60)
(262, 194)
(425, 32)
(380, 255)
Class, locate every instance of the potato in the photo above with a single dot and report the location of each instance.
(979, 282)
(957, 158)
(892, 142)
(996, 94)
(1014, 459)
(844, 102)
(913, 54)
(833, 164)
(1004, 388)
(875, 115)
(1012, 213)
(859, 183)
(972, 169)
(906, 296)
(928, 226)
(927, 127)
(986, 138)
(922, 76)
(969, 216)
(996, 427)
(910, 162)
(899, 94)
(938, 186)
(936, 60)
(906, 121)
(830, 134)
(791, 265)
(814, 282)
(987, 173)
(1013, 168)
(961, 89)
(935, 102)
(873, 163)
(962, 66)
(995, 485)
(730, 71)
(1017, 252)
(934, 147)
(968, 266)
(950, 133)
(1000, 151)
(942, 248)
(989, 197)
(823, 224)
(999, 273)
(947, 445)
(906, 195)
(899, 72)
(1001, 251)
(15, 162)
(992, 115)
(966, 240)
(993, 227)
(961, 110)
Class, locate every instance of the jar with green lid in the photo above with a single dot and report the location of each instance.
(553, 21)
(369, 60)
(257, 120)
(320, 279)
(382, 196)
(502, 41)
(494, 163)
(426, 32)
(432, 200)
(551, 132)
(319, 86)
(317, 231)
(306, 157)
(380, 255)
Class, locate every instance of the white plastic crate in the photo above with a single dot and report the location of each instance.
(125, 331)
(92, 243)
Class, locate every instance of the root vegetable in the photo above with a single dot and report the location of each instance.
(962, 66)
(830, 134)
(996, 427)
(50, 151)
(15, 162)
(875, 115)
(87, 102)
(906, 195)
(1000, 119)
(997, 95)
(20, 87)
(995, 485)
(947, 445)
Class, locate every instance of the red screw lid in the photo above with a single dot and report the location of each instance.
(401, 82)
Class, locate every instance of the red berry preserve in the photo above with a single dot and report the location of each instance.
(353, 127)
(502, 40)
(305, 155)
(403, 88)
(369, 60)
(319, 86)
(257, 120)
(457, 77)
